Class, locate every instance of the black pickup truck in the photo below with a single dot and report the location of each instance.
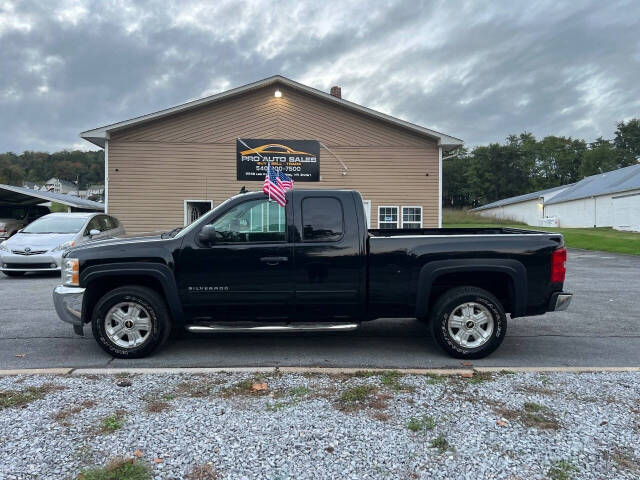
(251, 265)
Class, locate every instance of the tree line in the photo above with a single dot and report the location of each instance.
(525, 164)
(86, 168)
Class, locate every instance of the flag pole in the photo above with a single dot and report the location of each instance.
(268, 175)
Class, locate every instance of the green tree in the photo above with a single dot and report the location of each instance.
(455, 190)
(558, 160)
(499, 171)
(627, 142)
(601, 157)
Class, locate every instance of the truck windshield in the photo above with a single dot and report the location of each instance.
(56, 224)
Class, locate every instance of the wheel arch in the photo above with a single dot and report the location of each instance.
(505, 278)
(99, 279)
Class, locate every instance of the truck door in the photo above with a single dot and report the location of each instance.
(329, 269)
(246, 273)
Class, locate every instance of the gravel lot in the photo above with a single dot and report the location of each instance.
(515, 426)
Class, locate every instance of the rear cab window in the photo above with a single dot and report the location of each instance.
(322, 219)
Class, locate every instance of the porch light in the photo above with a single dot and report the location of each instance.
(277, 93)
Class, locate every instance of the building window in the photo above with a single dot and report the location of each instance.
(194, 209)
(387, 217)
(411, 217)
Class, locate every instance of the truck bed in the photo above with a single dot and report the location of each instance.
(452, 231)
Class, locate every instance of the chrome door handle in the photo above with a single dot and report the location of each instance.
(274, 260)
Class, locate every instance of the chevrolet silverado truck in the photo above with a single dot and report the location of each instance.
(250, 265)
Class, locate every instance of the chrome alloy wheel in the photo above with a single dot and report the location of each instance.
(470, 325)
(127, 324)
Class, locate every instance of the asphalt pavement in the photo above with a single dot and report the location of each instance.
(601, 329)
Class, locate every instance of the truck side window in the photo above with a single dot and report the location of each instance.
(322, 219)
(252, 221)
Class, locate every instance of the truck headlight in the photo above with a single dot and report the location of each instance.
(64, 246)
(70, 272)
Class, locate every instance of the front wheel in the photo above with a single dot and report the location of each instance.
(468, 322)
(130, 322)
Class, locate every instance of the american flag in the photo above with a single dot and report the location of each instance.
(276, 184)
(285, 180)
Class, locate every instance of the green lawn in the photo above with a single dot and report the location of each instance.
(603, 239)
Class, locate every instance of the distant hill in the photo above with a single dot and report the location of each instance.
(86, 167)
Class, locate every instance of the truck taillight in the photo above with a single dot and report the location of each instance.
(558, 268)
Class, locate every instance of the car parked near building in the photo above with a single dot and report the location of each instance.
(252, 265)
(39, 246)
(15, 217)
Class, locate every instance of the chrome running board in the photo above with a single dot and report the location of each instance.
(245, 327)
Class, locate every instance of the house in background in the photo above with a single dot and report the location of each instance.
(95, 192)
(33, 186)
(610, 199)
(57, 185)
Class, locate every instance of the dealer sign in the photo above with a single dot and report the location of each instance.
(300, 159)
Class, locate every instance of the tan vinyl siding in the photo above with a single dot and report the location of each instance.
(193, 156)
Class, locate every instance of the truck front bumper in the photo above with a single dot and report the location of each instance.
(559, 301)
(68, 303)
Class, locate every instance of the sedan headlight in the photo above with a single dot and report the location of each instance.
(3, 246)
(70, 272)
(64, 246)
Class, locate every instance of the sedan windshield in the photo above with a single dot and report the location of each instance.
(56, 225)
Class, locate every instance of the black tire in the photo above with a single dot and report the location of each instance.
(450, 301)
(158, 316)
(14, 274)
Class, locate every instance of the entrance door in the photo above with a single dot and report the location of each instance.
(246, 273)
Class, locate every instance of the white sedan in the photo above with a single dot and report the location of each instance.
(39, 246)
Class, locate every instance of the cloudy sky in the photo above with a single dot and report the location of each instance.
(476, 70)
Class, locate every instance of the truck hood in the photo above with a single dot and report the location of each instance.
(38, 241)
(116, 242)
(142, 248)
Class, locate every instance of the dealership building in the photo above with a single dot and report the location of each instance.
(166, 168)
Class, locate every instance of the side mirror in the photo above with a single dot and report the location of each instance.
(207, 235)
(93, 232)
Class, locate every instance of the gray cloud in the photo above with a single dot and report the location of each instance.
(474, 70)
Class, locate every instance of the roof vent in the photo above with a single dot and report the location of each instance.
(336, 91)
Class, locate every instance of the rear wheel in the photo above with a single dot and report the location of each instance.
(14, 274)
(468, 322)
(130, 322)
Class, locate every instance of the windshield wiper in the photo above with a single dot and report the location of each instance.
(171, 233)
